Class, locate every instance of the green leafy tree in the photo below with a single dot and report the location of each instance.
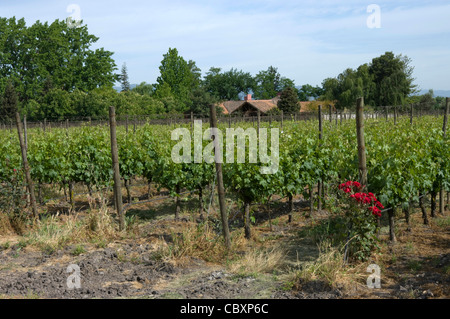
(344, 89)
(392, 76)
(144, 89)
(42, 54)
(228, 85)
(269, 83)
(56, 104)
(177, 79)
(288, 101)
(308, 92)
(201, 101)
(9, 103)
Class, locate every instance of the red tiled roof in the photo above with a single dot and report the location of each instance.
(263, 105)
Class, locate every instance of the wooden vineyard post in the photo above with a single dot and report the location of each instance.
(361, 142)
(259, 122)
(115, 162)
(220, 186)
(320, 122)
(391, 214)
(26, 166)
(444, 130)
(446, 114)
(411, 114)
(395, 115)
(319, 184)
(25, 131)
(331, 114)
(282, 119)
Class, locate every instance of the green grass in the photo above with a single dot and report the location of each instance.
(78, 250)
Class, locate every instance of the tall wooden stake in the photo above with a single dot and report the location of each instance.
(361, 142)
(319, 184)
(220, 186)
(115, 162)
(25, 132)
(259, 122)
(26, 166)
(444, 130)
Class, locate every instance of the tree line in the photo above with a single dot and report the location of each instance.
(56, 74)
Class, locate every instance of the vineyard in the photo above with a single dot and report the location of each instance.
(408, 168)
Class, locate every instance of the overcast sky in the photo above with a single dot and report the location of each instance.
(307, 41)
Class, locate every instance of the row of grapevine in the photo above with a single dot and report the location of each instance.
(403, 160)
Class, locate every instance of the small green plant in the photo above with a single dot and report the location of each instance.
(78, 250)
(410, 247)
(415, 265)
(447, 270)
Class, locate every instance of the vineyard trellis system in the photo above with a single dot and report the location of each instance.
(405, 162)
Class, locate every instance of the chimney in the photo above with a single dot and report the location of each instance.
(248, 97)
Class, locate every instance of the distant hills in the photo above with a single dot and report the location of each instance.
(443, 93)
(132, 86)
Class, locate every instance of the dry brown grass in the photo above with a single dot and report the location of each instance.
(330, 268)
(199, 241)
(56, 231)
(257, 260)
(5, 225)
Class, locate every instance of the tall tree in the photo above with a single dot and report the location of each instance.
(288, 101)
(9, 102)
(269, 83)
(177, 79)
(392, 76)
(124, 78)
(32, 55)
(344, 89)
(228, 85)
(308, 92)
